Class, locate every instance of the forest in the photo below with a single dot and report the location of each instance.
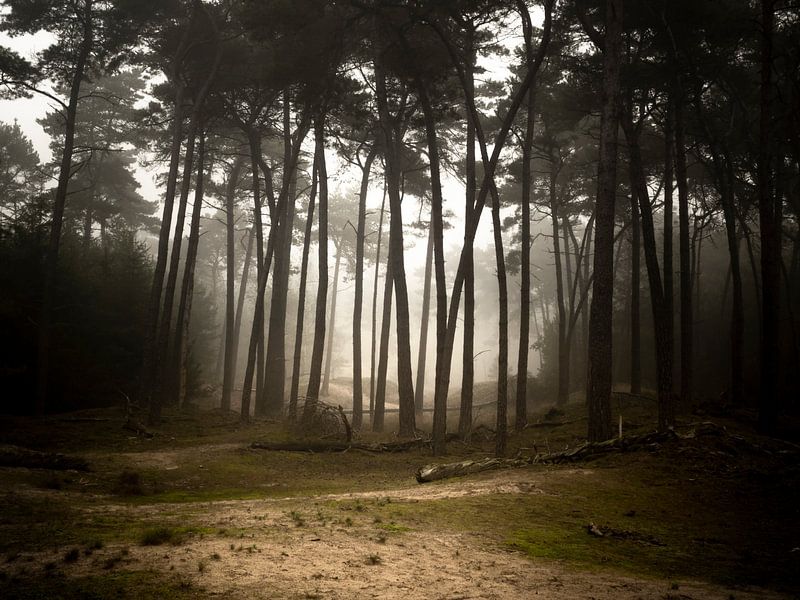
(295, 291)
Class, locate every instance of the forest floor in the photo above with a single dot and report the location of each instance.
(194, 512)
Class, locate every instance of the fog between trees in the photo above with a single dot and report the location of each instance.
(611, 207)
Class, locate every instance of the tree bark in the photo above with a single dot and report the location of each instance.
(301, 299)
(187, 287)
(636, 274)
(383, 352)
(59, 202)
(770, 229)
(230, 316)
(358, 394)
(669, 178)
(600, 339)
(563, 345)
(419, 388)
(375, 310)
(326, 378)
(687, 326)
(393, 174)
(237, 325)
(315, 372)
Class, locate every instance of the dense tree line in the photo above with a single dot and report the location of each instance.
(610, 114)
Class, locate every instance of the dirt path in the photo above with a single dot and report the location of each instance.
(302, 547)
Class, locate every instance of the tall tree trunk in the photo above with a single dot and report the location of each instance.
(669, 178)
(326, 378)
(383, 352)
(488, 185)
(468, 353)
(181, 351)
(600, 338)
(230, 316)
(666, 406)
(687, 327)
(237, 324)
(270, 402)
(636, 274)
(375, 309)
(59, 202)
(563, 345)
(770, 228)
(301, 298)
(391, 144)
(501, 437)
(521, 405)
(315, 372)
(358, 394)
(256, 347)
(419, 388)
(437, 235)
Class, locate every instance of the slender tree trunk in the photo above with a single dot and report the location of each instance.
(687, 329)
(666, 406)
(358, 394)
(468, 353)
(437, 236)
(600, 338)
(315, 373)
(230, 316)
(59, 202)
(270, 402)
(501, 438)
(669, 178)
(393, 174)
(419, 388)
(375, 310)
(181, 351)
(563, 346)
(326, 378)
(237, 325)
(636, 273)
(301, 299)
(383, 352)
(770, 228)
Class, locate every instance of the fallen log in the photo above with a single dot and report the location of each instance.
(588, 451)
(17, 457)
(430, 473)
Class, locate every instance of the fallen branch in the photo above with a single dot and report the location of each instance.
(15, 456)
(430, 473)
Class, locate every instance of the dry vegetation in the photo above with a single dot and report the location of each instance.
(195, 512)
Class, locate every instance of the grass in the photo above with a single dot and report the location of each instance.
(118, 585)
(721, 515)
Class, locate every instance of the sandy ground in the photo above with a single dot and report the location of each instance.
(265, 554)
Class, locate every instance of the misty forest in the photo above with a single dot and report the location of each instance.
(399, 299)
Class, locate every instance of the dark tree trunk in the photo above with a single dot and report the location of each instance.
(467, 357)
(422, 355)
(770, 228)
(237, 325)
(501, 438)
(669, 178)
(301, 299)
(315, 372)
(230, 316)
(375, 310)
(563, 345)
(270, 402)
(687, 328)
(59, 202)
(437, 235)
(636, 273)
(181, 350)
(666, 405)
(383, 352)
(326, 378)
(600, 342)
(358, 394)
(393, 174)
